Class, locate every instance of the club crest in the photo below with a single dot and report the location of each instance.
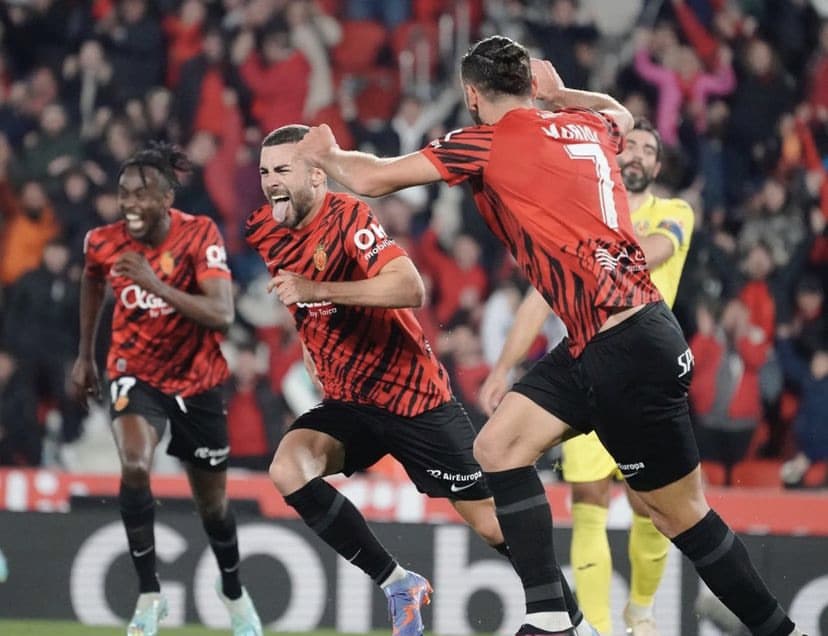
(320, 257)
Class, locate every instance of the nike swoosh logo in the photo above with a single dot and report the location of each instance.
(351, 560)
(215, 461)
(137, 553)
(456, 488)
(231, 570)
(586, 567)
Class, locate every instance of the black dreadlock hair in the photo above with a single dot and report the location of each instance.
(168, 159)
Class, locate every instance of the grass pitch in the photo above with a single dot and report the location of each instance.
(66, 628)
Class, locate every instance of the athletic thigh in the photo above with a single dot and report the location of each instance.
(436, 450)
(198, 431)
(356, 428)
(639, 373)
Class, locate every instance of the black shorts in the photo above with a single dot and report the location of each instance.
(435, 447)
(198, 424)
(630, 386)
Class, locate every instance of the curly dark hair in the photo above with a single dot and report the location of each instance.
(498, 65)
(168, 159)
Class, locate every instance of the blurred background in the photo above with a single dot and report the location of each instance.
(738, 90)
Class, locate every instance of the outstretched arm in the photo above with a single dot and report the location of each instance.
(363, 173)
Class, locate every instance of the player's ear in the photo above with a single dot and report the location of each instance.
(169, 197)
(656, 169)
(472, 96)
(534, 87)
(317, 177)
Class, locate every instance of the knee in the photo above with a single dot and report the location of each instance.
(135, 472)
(672, 521)
(285, 475)
(487, 451)
(488, 529)
(594, 493)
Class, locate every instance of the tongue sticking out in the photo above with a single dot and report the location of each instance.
(280, 210)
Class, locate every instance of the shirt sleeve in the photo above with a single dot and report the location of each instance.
(211, 256)
(462, 153)
(367, 242)
(676, 223)
(93, 266)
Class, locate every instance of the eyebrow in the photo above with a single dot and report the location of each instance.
(281, 166)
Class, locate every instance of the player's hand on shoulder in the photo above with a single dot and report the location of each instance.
(292, 288)
(549, 82)
(135, 266)
(85, 380)
(318, 144)
(494, 388)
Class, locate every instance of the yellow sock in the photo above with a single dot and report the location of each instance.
(592, 564)
(648, 557)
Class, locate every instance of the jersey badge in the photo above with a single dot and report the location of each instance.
(320, 257)
(167, 263)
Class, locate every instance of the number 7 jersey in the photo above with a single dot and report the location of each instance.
(548, 185)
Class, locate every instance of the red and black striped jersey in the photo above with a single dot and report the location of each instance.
(366, 355)
(150, 340)
(548, 185)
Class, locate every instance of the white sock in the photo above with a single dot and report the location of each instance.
(639, 612)
(398, 574)
(585, 629)
(550, 621)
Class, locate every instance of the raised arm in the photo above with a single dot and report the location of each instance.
(363, 173)
(551, 89)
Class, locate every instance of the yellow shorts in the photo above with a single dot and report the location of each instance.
(586, 459)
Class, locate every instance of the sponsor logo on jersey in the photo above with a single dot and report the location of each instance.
(136, 297)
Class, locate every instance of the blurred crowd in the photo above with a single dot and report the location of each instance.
(737, 88)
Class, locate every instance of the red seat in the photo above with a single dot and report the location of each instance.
(757, 473)
(714, 473)
(816, 476)
(410, 35)
(380, 95)
(360, 45)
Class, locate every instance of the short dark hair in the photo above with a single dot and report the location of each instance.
(168, 159)
(290, 134)
(642, 123)
(498, 65)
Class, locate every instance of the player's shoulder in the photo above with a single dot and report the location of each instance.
(104, 237)
(188, 220)
(344, 210)
(676, 207)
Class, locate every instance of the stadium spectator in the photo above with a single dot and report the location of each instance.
(255, 416)
(725, 389)
(41, 331)
(20, 434)
(28, 224)
(810, 376)
(276, 74)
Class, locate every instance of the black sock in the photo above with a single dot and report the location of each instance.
(526, 522)
(225, 544)
(138, 515)
(575, 614)
(723, 563)
(339, 524)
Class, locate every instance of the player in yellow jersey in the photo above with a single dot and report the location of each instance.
(664, 228)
